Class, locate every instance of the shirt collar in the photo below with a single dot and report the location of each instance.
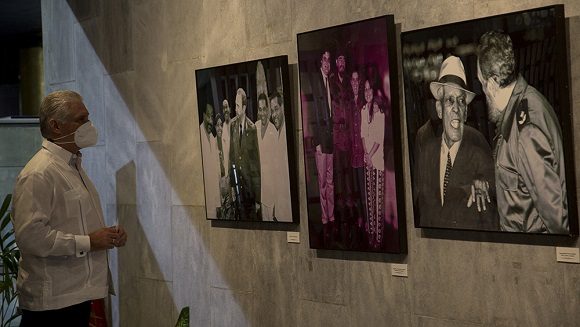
(452, 151)
(507, 119)
(61, 153)
(323, 75)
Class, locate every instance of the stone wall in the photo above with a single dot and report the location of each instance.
(18, 143)
(134, 63)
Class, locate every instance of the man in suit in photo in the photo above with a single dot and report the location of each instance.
(244, 162)
(323, 136)
(455, 168)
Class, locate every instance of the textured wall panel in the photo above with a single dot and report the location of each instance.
(134, 63)
(191, 263)
(58, 41)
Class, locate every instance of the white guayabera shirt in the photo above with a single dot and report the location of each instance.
(56, 206)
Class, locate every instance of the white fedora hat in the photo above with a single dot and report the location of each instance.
(452, 74)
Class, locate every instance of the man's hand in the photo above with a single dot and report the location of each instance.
(479, 195)
(107, 238)
(121, 237)
(103, 239)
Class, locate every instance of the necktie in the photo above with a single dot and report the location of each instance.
(447, 173)
(241, 133)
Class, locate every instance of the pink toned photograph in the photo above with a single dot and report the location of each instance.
(352, 140)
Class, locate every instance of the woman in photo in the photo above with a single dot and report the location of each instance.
(372, 134)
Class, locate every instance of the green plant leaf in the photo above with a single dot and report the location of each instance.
(183, 319)
(10, 255)
(5, 222)
(10, 246)
(5, 204)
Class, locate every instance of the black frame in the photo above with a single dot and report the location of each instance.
(540, 44)
(213, 85)
(356, 40)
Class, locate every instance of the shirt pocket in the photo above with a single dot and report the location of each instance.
(507, 179)
(72, 203)
(68, 274)
(31, 289)
(77, 202)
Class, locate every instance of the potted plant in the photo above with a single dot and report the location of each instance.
(8, 266)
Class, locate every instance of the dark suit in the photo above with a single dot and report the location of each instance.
(245, 177)
(473, 161)
(322, 111)
(323, 136)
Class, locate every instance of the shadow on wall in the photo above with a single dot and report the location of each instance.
(142, 299)
(172, 258)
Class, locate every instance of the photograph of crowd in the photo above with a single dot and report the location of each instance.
(488, 115)
(244, 111)
(351, 137)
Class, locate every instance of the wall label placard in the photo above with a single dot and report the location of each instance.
(399, 270)
(293, 237)
(570, 255)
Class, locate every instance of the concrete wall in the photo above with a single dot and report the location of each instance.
(18, 143)
(134, 63)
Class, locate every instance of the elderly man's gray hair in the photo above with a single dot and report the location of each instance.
(56, 106)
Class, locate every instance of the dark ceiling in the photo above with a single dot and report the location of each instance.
(20, 21)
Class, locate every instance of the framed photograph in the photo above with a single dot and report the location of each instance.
(489, 124)
(246, 141)
(350, 122)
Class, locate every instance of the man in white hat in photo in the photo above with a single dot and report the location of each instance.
(454, 171)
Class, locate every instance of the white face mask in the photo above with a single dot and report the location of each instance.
(85, 136)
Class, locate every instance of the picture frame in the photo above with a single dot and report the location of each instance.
(353, 203)
(246, 128)
(510, 124)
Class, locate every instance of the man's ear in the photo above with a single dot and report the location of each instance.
(439, 109)
(54, 125)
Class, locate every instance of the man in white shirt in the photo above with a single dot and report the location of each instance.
(267, 135)
(226, 134)
(58, 221)
(283, 207)
(211, 166)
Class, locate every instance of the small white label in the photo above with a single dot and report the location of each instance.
(293, 237)
(399, 270)
(571, 255)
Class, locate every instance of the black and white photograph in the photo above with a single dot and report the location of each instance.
(350, 122)
(244, 114)
(488, 119)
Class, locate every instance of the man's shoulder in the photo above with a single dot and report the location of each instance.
(41, 164)
(475, 139)
(234, 121)
(472, 134)
(533, 108)
(250, 125)
(429, 147)
(271, 130)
